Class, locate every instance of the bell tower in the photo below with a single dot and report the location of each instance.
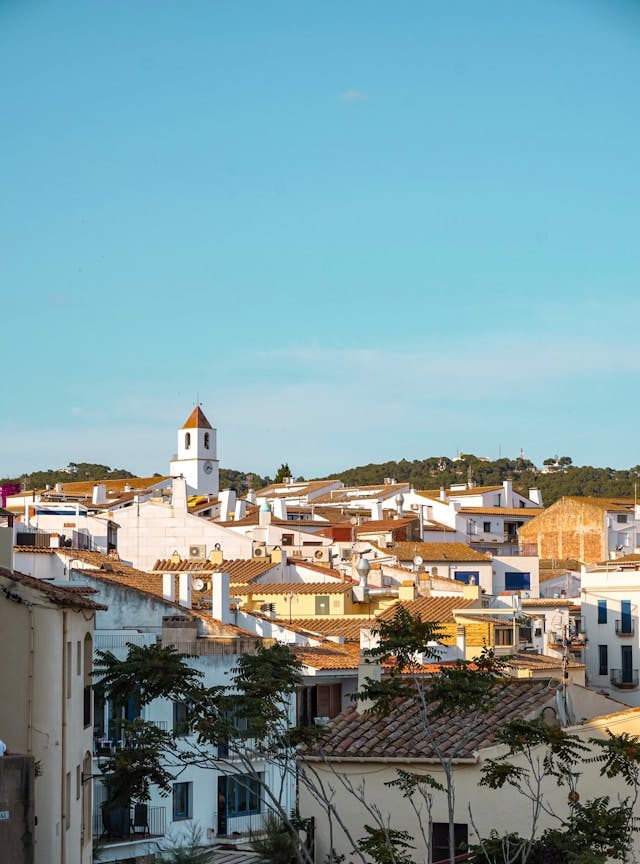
(197, 455)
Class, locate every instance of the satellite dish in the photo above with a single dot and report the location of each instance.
(418, 560)
(198, 585)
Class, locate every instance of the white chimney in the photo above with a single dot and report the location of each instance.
(227, 499)
(99, 495)
(168, 586)
(251, 496)
(367, 668)
(376, 510)
(280, 509)
(220, 597)
(443, 493)
(184, 597)
(400, 504)
(179, 494)
(536, 496)
(264, 515)
(507, 485)
(241, 510)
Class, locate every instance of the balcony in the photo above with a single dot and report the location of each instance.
(625, 679)
(625, 627)
(126, 825)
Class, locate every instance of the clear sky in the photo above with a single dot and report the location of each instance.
(355, 231)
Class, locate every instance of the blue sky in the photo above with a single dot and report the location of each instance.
(354, 231)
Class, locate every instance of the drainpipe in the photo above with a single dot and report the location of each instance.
(63, 749)
(32, 640)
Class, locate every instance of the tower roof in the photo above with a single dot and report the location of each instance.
(197, 420)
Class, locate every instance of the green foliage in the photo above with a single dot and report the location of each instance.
(619, 756)
(386, 845)
(241, 481)
(77, 471)
(149, 671)
(277, 844)
(467, 686)
(409, 783)
(131, 771)
(282, 473)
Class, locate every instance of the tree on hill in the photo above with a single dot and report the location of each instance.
(282, 473)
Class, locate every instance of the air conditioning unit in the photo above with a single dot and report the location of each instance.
(260, 552)
(199, 584)
(321, 554)
(268, 608)
(198, 551)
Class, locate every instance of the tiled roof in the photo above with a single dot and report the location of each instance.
(325, 657)
(197, 420)
(622, 504)
(407, 551)
(402, 735)
(475, 490)
(631, 558)
(316, 568)
(84, 488)
(374, 525)
(294, 588)
(438, 609)
(537, 662)
(337, 625)
(58, 594)
(526, 512)
(552, 602)
(349, 494)
(239, 569)
(292, 490)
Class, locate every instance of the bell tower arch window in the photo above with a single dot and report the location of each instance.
(206, 440)
(187, 441)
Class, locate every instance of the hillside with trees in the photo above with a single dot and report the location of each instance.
(563, 478)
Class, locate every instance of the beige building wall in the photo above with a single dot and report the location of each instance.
(42, 715)
(504, 810)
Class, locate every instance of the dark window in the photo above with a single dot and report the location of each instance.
(187, 441)
(467, 576)
(287, 539)
(206, 440)
(440, 840)
(180, 718)
(243, 795)
(622, 517)
(602, 611)
(322, 605)
(625, 612)
(517, 581)
(182, 801)
(626, 661)
(603, 660)
(486, 527)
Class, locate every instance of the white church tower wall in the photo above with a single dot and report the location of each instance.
(197, 458)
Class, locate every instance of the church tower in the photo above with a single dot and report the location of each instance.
(197, 457)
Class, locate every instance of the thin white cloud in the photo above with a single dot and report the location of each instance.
(353, 96)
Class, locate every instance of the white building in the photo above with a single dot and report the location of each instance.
(610, 601)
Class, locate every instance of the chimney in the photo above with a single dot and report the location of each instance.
(280, 509)
(376, 510)
(241, 510)
(168, 586)
(227, 499)
(99, 495)
(507, 485)
(536, 496)
(461, 642)
(220, 598)
(215, 556)
(400, 504)
(251, 496)
(368, 668)
(264, 517)
(407, 590)
(184, 597)
(179, 494)
(443, 493)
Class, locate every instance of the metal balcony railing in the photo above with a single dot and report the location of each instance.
(122, 823)
(625, 627)
(624, 677)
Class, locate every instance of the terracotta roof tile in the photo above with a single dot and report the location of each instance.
(61, 595)
(325, 657)
(438, 609)
(294, 587)
(240, 570)
(354, 735)
(407, 550)
(197, 420)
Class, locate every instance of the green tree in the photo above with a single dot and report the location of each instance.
(282, 473)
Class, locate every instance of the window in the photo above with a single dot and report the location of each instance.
(626, 661)
(287, 539)
(206, 440)
(622, 517)
(68, 663)
(486, 527)
(625, 612)
(243, 795)
(78, 782)
(187, 441)
(440, 840)
(517, 581)
(322, 605)
(87, 678)
(602, 611)
(496, 500)
(180, 718)
(182, 801)
(603, 660)
(503, 636)
(469, 577)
